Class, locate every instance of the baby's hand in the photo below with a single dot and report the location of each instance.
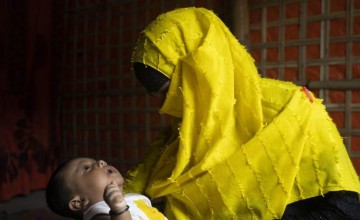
(114, 197)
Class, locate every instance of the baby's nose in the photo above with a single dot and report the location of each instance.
(101, 163)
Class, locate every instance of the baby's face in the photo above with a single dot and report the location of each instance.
(88, 177)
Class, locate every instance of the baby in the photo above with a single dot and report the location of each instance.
(83, 188)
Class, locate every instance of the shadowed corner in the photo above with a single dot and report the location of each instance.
(30, 207)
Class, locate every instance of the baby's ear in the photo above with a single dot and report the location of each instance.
(78, 203)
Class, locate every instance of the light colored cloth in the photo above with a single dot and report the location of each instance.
(245, 146)
(140, 208)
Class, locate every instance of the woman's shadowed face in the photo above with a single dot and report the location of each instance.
(161, 94)
(156, 83)
(152, 79)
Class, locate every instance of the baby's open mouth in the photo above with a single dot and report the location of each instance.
(111, 170)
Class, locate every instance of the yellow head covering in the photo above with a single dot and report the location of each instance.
(246, 146)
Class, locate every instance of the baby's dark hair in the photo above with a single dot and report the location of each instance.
(58, 194)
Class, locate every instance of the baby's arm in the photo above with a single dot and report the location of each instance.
(115, 199)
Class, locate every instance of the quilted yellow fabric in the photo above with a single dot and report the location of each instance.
(244, 146)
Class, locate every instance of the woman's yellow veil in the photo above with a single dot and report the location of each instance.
(246, 146)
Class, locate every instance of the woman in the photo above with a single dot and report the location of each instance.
(241, 147)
